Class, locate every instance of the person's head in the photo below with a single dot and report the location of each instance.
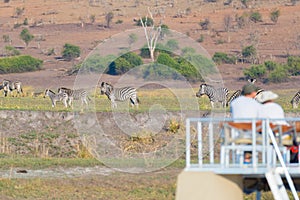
(249, 90)
(266, 96)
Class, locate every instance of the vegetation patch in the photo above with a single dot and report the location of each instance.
(16, 64)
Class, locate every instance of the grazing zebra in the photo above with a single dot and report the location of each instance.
(79, 94)
(295, 100)
(119, 94)
(63, 97)
(9, 86)
(214, 95)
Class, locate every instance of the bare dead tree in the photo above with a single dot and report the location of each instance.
(152, 33)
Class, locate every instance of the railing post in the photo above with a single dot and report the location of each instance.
(254, 153)
(211, 143)
(200, 153)
(188, 144)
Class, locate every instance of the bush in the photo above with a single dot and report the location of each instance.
(293, 63)
(274, 15)
(70, 52)
(255, 17)
(119, 66)
(270, 65)
(144, 19)
(205, 24)
(255, 71)
(278, 75)
(11, 51)
(133, 59)
(96, 63)
(172, 44)
(249, 51)
(220, 57)
(18, 64)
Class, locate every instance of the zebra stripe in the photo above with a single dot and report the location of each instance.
(119, 94)
(295, 100)
(236, 94)
(214, 95)
(79, 94)
(8, 86)
(63, 97)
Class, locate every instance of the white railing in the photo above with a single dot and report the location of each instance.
(215, 152)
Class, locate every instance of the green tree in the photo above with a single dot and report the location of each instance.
(70, 52)
(274, 15)
(26, 36)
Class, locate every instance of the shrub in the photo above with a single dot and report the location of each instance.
(119, 66)
(96, 63)
(255, 71)
(278, 75)
(270, 65)
(6, 38)
(133, 59)
(201, 39)
(146, 20)
(205, 24)
(108, 18)
(119, 21)
(11, 51)
(18, 64)
(220, 57)
(255, 17)
(293, 64)
(172, 44)
(274, 15)
(249, 51)
(70, 52)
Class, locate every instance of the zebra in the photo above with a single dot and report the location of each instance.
(295, 100)
(9, 86)
(214, 95)
(236, 94)
(63, 97)
(119, 94)
(79, 94)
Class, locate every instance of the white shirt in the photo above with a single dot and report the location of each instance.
(244, 107)
(272, 110)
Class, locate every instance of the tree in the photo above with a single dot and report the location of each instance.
(26, 36)
(250, 53)
(70, 52)
(108, 17)
(151, 34)
(274, 15)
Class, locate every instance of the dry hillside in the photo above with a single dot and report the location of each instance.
(57, 22)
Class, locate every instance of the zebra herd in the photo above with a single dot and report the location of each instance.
(67, 96)
(221, 95)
